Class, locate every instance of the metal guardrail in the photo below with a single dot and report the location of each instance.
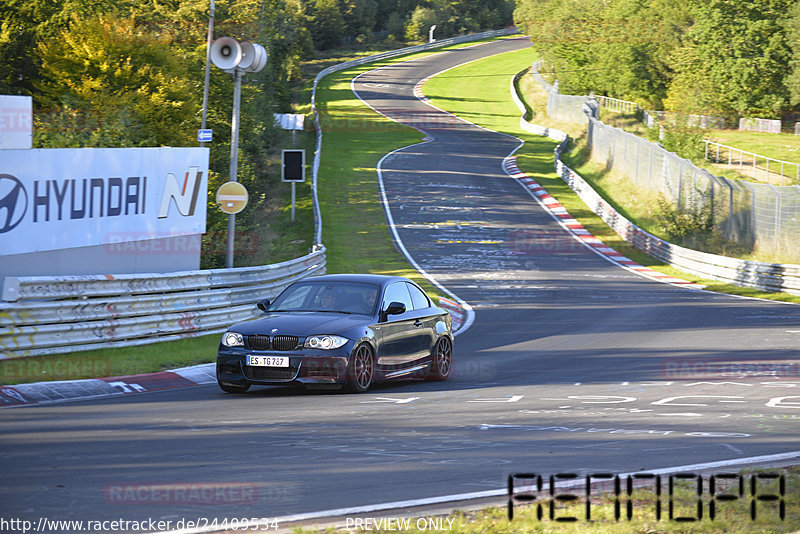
(60, 314)
(758, 275)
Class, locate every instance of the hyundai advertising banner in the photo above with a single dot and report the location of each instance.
(53, 199)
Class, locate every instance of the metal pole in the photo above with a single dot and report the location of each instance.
(293, 201)
(208, 67)
(237, 90)
(293, 184)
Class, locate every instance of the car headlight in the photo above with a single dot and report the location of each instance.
(325, 342)
(232, 339)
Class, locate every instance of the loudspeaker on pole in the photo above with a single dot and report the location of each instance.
(226, 53)
(259, 59)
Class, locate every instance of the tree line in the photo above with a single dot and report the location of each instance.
(728, 58)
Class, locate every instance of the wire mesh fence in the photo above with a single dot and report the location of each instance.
(760, 217)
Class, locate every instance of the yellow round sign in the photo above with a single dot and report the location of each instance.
(231, 197)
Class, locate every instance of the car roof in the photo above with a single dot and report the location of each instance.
(377, 279)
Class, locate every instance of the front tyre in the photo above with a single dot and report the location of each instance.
(361, 370)
(441, 359)
(230, 388)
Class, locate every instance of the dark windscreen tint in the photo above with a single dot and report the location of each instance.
(345, 297)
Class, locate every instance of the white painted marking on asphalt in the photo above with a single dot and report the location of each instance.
(717, 384)
(512, 398)
(390, 399)
(667, 401)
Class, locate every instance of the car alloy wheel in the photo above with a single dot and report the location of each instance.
(362, 369)
(441, 360)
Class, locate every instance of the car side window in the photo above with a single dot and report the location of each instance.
(418, 297)
(397, 292)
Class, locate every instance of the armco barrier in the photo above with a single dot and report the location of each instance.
(758, 275)
(58, 314)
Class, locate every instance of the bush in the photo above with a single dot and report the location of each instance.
(680, 225)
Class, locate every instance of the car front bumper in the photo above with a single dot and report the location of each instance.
(308, 367)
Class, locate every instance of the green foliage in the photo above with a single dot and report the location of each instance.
(326, 24)
(681, 224)
(733, 60)
(792, 26)
(685, 142)
(711, 57)
(134, 87)
(421, 20)
(614, 47)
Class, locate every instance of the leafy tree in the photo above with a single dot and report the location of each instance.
(22, 24)
(733, 62)
(793, 41)
(422, 18)
(395, 25)
(359, 17)
(326, 24)
(133, 85)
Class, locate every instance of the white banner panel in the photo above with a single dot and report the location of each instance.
(16, 121)
(59, 198)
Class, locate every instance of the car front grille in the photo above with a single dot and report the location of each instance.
(279, 343)
(284, 343)
(258, 342)
(269, 373)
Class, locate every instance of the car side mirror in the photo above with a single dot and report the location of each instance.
(263, 304)
(395, 308)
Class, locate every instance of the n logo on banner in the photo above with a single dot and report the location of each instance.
(185, 195)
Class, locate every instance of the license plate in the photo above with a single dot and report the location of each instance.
(267, 361)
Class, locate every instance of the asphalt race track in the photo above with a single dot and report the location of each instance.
(572, 364)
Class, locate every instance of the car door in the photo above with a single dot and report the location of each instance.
(400, 342)
(425, 319)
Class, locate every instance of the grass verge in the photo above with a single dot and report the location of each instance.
(782, 146)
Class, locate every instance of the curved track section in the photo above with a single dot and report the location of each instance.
(571, 364)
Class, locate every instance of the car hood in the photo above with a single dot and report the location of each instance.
(300, 323)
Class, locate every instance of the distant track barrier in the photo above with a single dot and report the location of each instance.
(59, 314)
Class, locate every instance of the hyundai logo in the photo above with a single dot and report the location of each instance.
(13, 202)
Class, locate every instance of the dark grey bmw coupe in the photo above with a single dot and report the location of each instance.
(339, 330)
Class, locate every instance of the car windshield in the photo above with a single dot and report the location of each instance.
(334, 297)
